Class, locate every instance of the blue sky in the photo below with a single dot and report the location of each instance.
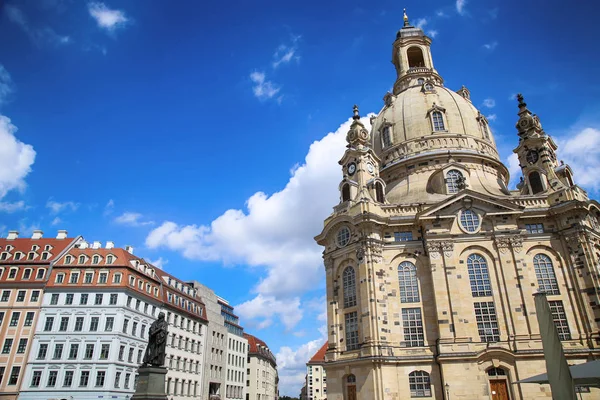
(208, 137)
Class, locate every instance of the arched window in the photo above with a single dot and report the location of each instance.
(479, 276)
(81, 259)
(420, 385)
(109, 259)
(544, 272)
(409, 285)
(438, 121)
(351, 379)
(386, 138)
(95, 259)
(485, 130)
(345, 192)
(415, 57)
(349, 283)
(453, 180)
(535, 182)
(379, 192)
(494, 372)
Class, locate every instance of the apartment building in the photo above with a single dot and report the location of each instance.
(262, 379)
(186, 343)
(316, 378)
(237, 353)
(93, 325)
(24, 268)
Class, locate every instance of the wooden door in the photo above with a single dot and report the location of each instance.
(351, 392)
(499, 389)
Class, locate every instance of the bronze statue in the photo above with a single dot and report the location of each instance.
(157, 341)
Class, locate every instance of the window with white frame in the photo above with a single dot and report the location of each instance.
(437, 120)
(349, 286)
(487, 321)
(412, 324)
(544, 272)
(351, 327)
(534, 228)
(81, 259)
(420, 384)
(469, 220)
(409, 285)
(479, 276)
(560, 319)
(453, 179)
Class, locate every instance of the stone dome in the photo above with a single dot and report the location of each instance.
(407, 121)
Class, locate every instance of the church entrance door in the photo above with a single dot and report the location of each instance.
(499, 389)
(351, 392)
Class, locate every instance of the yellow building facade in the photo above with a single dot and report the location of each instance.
(432, 262)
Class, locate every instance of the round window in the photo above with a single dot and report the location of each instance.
(343, 237)
(469, 221)
(428, 86)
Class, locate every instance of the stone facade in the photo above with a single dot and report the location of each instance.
(431, 262)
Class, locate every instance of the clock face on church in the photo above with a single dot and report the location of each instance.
(532, 156)
(351, 168)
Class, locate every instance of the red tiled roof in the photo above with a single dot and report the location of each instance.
(319, 356)
(24, 245)
(257, 346)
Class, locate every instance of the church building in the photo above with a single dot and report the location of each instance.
(432, 261)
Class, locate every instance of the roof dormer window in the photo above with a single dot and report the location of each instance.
(68, 259)
(4, 256)
(35, 247)
(31, 256)
(109, 259)
(18, 256)
(47, 247)
(81, 259)
(95, 259)
(438, 121)
(45, 255)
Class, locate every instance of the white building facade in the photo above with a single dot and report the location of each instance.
(237, 353)
(262, 378)
(316, 377)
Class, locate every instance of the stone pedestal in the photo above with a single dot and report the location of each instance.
(151, 384)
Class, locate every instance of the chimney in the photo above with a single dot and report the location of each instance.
(12, 235)
(83, 244)
(37, 234)
(62, 234)
(129, 249)
(96, 245)
(110, 245)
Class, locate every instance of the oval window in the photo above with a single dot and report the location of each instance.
(343, 237)
(469, 221)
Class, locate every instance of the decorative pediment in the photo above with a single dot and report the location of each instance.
(468, 198)
(435, 107)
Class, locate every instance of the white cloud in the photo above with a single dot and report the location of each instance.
(489, 103)
(16, 158)
(159, 263)
(291, 365)
(56, 221)
(266, 307)
(460, 6)
(263, 89)
(432, 33)
(274, 231)
(514, 168)
(58, 207)
(287, 52)
(441, 14)
(109, 207)
(492, 117)
(420, 23)
(12, 207)
(6, 85)
(105, 17)
(490, 46)
(38, 36)
(132, 219)
(582, 152)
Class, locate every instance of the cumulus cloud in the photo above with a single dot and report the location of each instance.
(460, 6)
(582, 152)
(514, 168)
(132, 219)
(12, 207)
(263, 89)
(432, 33)
(273, 231)
(56, 221)
(264, 308)
(106, 18)
(492, 117)
(16, 158)
(489, 103)
(490, 46)
(420, 23)
(159, 263)
(39, 36)
(6, 85)
(109, 207)
(291, 365)
(58, 207)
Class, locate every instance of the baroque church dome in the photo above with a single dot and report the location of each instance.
(426, 131)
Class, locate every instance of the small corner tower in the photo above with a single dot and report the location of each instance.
(360, 166)
(411, 55)
(542, 173)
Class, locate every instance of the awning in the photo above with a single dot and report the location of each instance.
(586, 374)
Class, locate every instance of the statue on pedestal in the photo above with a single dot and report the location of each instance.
(157, 342)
